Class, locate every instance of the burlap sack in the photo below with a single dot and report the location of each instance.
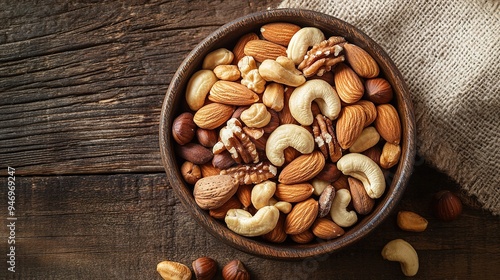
(449, 54)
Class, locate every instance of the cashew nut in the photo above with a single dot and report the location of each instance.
(316, 90)
(301, 41)
(256, 116)
(243, 223)
(198, 87)
(288, 135)
(274, 96)
(283, 206)
(262, 193)
(227, 72)
(402, 252)
(339, 213)
(218, 57)
(364, 169)
(282, 71)
(368, 138)
(319, 185)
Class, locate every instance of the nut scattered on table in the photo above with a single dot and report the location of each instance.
(204, 268)
(235, 270)
(401, 251)
(170, 270)
(299, 122)
(411, 221)
(446, 205)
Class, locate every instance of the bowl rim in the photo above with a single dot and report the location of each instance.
(219, 38)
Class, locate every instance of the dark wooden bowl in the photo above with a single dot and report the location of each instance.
(226, 36)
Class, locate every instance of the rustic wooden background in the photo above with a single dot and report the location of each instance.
(81, 87)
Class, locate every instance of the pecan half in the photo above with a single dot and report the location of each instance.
(321, 57)
(325, 138)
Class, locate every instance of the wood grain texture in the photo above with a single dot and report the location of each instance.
(82, 83)
(121, 226)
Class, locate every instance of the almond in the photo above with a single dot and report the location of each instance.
(261, 50)
(208, 169)
(388, 124)
(244, 194)
(285, 115)
(279, 32)
(349, 86)
(278, 234)
(238, 49)
(294, 192)
(232, 93)
(213, 191)
(303, 168)
(370, 111)
(220, 212)
(350, 124)
(213, 115)
(362, 203)
(301, 217)
(303, 237)
(361, 61)
(326, 229)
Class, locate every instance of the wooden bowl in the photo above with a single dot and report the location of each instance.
(226, 36)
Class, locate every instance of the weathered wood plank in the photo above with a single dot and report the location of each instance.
(82, 83)
(120, 226)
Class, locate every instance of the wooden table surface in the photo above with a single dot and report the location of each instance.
(81, 86)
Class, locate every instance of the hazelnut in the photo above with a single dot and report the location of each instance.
(206, 137)
(378, 90)
(329, 173)
(235, 270)
(190, 172)
(447, 206)
(183, 128)
(204, 268)
(223, 160)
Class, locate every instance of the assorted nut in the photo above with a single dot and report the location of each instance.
(204, 268)
(287, 135)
